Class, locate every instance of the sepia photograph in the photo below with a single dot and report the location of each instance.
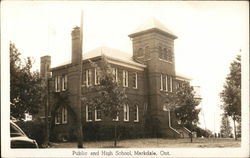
(125, 79)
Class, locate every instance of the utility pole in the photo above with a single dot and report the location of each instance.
(44, 74)
(80, 134)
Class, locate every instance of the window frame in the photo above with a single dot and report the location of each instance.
(115, 73)
(88, 78)
(136, 119)
(96, 114)
(97, 76)
(57, 83)
(64, 82)
(64, 115)
(166, 84)
(117, 118)
(161, 82)
(171, 84)
(125, 78)
(126, 113)
(88, 111)
(57, 118)
(135, 80)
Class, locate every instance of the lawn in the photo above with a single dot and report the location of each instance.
(157, 143)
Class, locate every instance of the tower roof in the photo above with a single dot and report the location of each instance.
(152, 24)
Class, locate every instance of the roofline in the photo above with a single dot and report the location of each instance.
(152, 30)
(120, 62)
(111, 60)
(182, 78)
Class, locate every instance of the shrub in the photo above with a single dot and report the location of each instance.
(92, 131)
(34, 130)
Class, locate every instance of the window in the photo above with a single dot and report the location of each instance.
(88, 78)
(165, 54)
(88, 114)
(136, 114)
(98, 115)
(126, 112)
(64, 115)
(165, 107)
(116, 118)
(64, 82)
(140, 52)
(97, 76)
(115, 73)
(57, 118)
(57, 83)
(135, 80)
(170, 55)
(125, 78)
(161, 88)
(171, 84)
(160, 53)
(166, 84)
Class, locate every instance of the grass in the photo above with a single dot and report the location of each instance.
(157, 143)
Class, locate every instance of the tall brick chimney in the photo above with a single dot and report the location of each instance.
(45, 63)
(76, 45)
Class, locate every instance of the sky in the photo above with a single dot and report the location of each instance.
(210, 35)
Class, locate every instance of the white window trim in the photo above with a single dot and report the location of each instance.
(97, 77)
(57, 119)
(64, 115)
(136, 83)
(137, 114)
(87, 114)
(88, 77)
(166, 83)
(63, 89)
(96, 116)
(126, 111)
(116, 119)
(125, 78)
(64, 83)
(161, 82)
(57, 83)
(171, 84)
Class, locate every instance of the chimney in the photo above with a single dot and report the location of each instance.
(45, 66)
(76, 45)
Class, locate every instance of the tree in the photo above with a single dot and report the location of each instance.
(25, 86)
(225, 128)
(239, 129)
(231, 94)
(110, 98)
(185, 106)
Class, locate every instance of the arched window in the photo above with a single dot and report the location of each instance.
(126, 112)
(57, 117)
(64, 115)
(136, 113)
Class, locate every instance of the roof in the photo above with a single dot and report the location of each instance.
(182, 77)
(112, 54)
(152, 23)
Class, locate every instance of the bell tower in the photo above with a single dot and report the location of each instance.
(153, 45)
